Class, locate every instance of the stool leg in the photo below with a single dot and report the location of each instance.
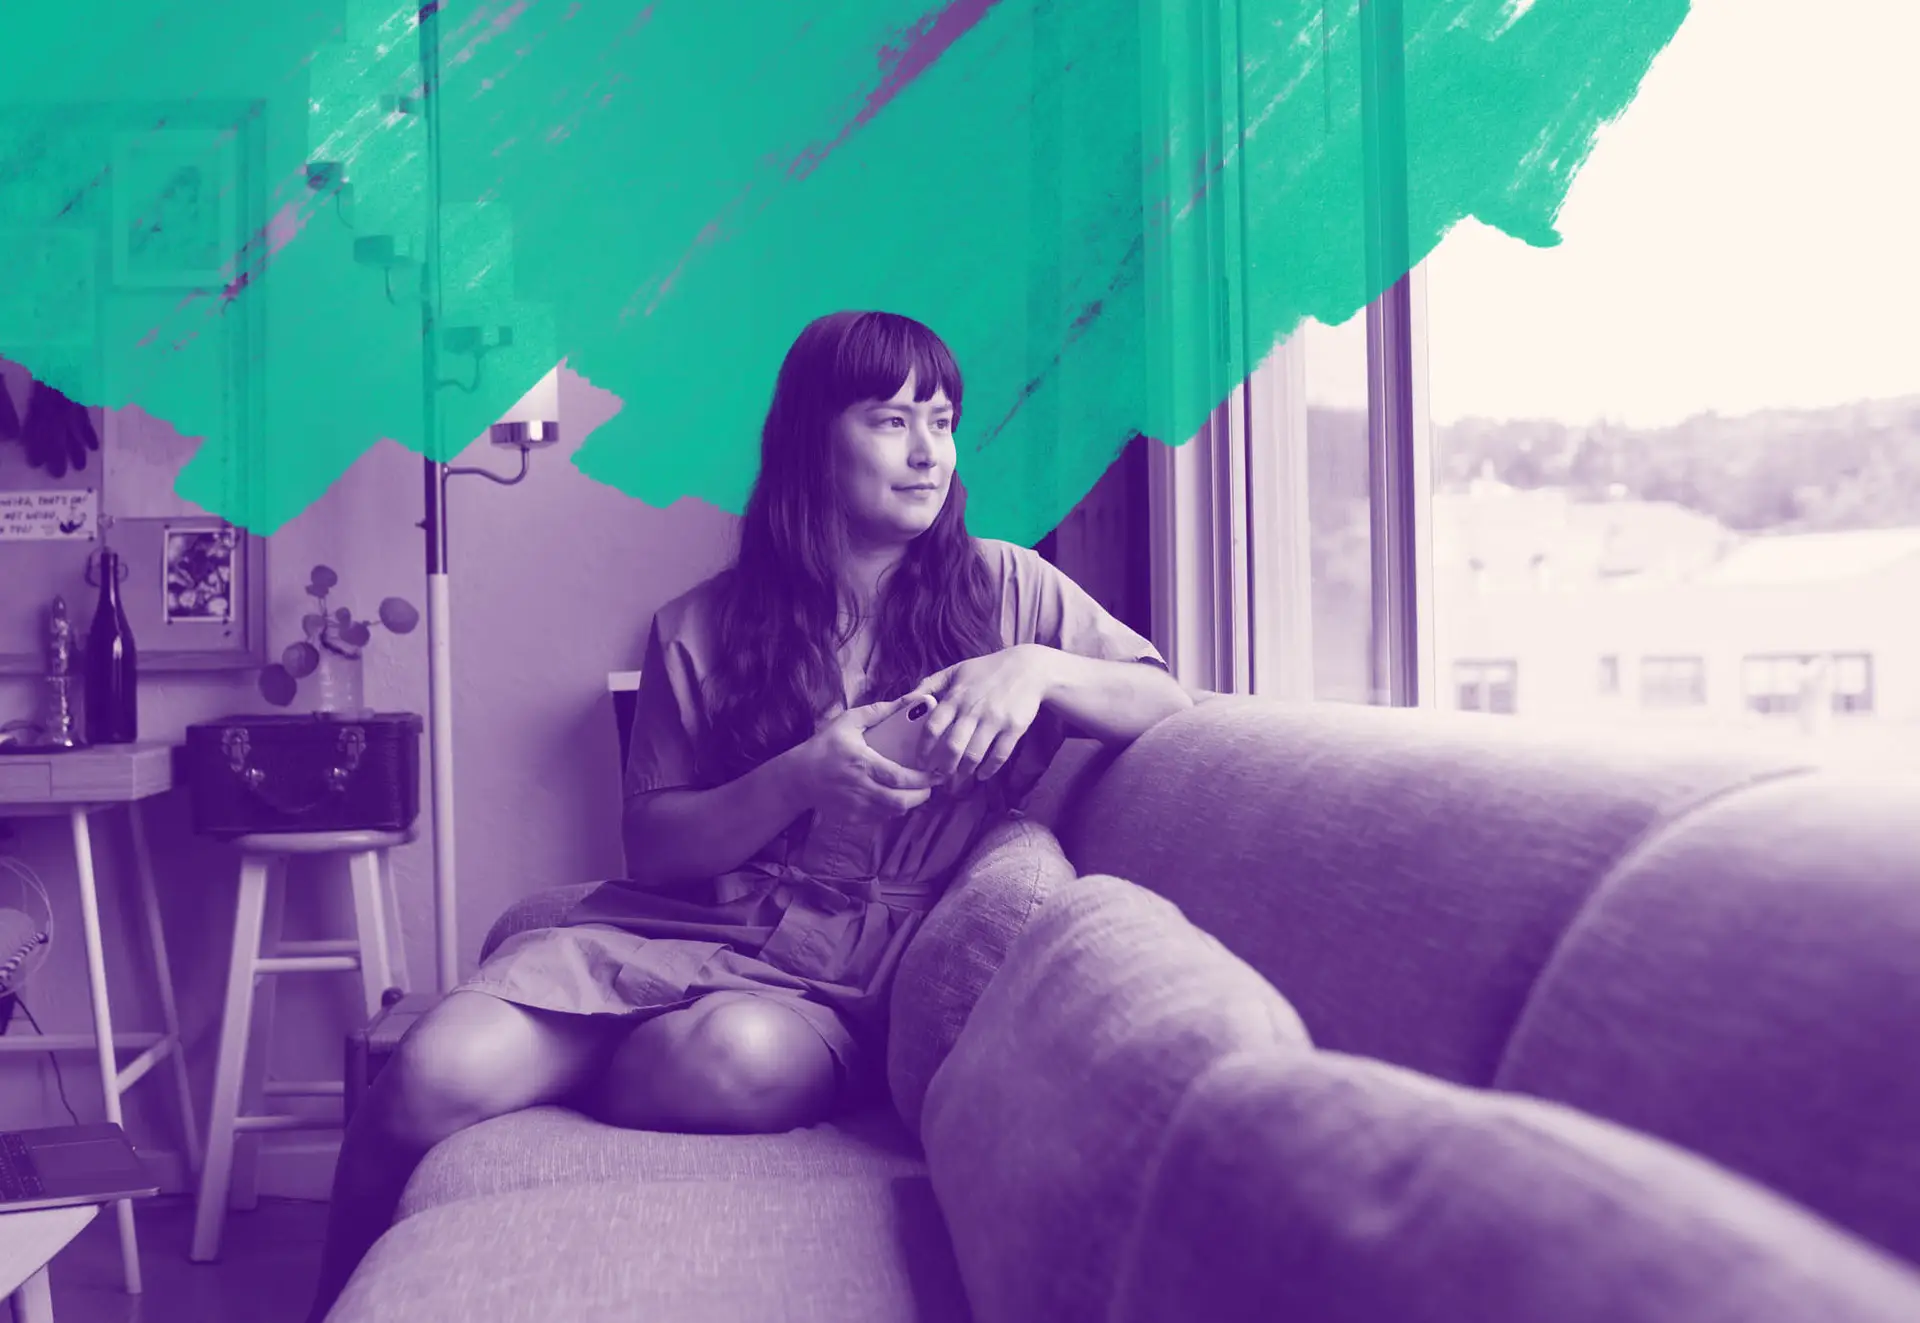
(396, 931)
(209, 1215)
(243, 1178)
(370, 919)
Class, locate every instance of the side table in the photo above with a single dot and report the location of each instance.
(28, 1242)
(76, 784)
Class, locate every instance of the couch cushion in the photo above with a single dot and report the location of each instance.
(960, 946)
(1745, 986)
(1040, 1125)
(1402, 876)
(545, 1146)
(1313, 1186)
(820, 1250)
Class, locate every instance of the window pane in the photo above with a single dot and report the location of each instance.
(1338, 502)
(1681, 450)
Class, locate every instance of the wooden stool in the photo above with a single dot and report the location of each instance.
(371, 953)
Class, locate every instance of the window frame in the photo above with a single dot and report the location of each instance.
(1229, 507)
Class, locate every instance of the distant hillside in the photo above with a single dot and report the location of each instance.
(1816, 470)
(1812, 470)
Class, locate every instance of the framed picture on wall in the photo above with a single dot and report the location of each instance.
(175, 203)
(194, 592)
(200, 573)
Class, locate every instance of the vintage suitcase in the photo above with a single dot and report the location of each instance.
(370, 1047)
(286, 773)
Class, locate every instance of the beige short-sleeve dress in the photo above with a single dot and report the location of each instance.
(818, 918)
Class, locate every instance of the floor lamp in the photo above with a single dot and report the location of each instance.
(524, 433)
(529, 425)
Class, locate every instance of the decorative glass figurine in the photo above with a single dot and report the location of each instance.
(60, 639)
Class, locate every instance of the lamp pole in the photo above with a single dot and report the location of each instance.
(531, 424)
(434, 472)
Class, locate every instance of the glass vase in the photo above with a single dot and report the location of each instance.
(340, 686)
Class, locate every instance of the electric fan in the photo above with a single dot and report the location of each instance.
(26, 928)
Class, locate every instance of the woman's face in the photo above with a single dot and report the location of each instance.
(896, 464)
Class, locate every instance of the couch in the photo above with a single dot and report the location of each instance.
(1302, 1012)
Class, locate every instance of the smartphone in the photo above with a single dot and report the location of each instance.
(900, 737)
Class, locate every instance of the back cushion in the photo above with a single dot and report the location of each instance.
(1041, 1126)
(1401, 875)
(1748, 986)
(960, 946)
(1316, 1187)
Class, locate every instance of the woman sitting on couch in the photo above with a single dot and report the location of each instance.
(736, 979)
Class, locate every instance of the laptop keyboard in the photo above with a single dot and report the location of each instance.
(18, 1180)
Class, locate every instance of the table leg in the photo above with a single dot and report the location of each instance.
(33, 1302)
(163, 973)
(103, 1025)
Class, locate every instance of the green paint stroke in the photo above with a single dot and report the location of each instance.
(665, 195)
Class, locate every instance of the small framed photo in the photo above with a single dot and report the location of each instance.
(175, 208)
(200, 574)
(195, 592)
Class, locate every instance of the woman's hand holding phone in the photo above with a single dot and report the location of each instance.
(843, 775)
(901, 736)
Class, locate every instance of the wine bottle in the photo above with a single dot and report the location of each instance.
(112, 673)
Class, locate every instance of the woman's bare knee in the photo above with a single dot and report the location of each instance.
(474, 1057)
(742, 1065)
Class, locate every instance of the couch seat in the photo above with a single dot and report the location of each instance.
(811, 1249)
(549, 1146)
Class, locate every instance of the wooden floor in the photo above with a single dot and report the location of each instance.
(268, 1260)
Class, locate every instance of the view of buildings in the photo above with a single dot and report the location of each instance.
(1676, 454)
(1633, 612)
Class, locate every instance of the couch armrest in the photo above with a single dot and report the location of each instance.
(543, 909)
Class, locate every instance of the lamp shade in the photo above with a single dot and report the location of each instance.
(535, 420)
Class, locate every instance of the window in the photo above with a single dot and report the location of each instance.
(1673, 681)
(1787, 684)
(1486, 686)
(1773, 684)
(1852, 682)
(1339, 508)
(1690, 448)
(1661, 443)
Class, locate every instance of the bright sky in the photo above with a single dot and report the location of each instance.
(1745, 236)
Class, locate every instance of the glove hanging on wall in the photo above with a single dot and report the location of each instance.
(57, 432)
(9, 420)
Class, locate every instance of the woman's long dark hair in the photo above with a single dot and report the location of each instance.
(778, 606)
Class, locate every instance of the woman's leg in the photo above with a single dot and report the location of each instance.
(732, 1062)
(471, 1057)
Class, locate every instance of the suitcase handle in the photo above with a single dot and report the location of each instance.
(238, 747)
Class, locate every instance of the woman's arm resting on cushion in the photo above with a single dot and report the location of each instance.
(1113, 701)
(988, 703)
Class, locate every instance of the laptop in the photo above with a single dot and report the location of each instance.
(70, 1164)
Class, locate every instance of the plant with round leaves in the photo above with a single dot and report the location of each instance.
(334, 631)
